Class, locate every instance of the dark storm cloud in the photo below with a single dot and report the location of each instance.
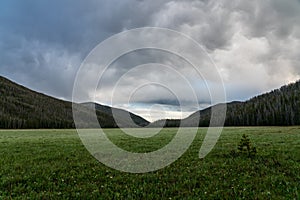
(69, 24)
(42, 43)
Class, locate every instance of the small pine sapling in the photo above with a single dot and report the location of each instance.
(245, 147)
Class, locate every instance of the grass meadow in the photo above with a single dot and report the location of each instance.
(54, 164)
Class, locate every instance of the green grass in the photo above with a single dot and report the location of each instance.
(52, 164)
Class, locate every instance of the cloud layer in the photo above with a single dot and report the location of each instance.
(255, 45)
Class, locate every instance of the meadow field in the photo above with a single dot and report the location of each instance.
(54, 164)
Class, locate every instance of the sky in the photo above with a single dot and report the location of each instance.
(254, 44)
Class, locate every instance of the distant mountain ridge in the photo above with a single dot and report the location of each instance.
(125, 118)
(280, 107)
(25, 108)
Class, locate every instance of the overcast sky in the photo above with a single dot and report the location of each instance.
(255, 45)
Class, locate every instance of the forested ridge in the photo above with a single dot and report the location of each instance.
(280, 107)
(24, 108)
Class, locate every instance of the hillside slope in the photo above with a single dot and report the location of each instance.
(123, 117)
(24, 108)
(280, 107)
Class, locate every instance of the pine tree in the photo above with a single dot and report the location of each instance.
(245, 147)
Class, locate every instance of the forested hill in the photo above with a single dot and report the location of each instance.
(123, 117)
(24, 108)
(280, 107)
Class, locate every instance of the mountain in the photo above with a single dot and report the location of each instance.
(24, 108)
(280, 107)
(123, 117)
